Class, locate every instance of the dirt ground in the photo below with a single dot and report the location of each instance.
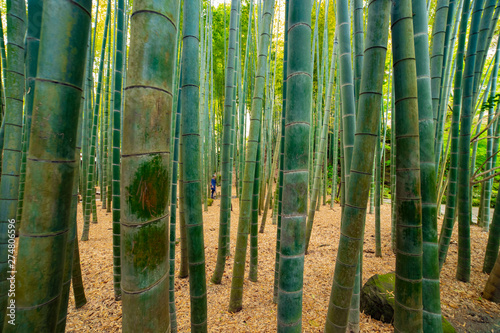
(461, 302)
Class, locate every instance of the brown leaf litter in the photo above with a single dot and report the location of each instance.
(461, 302)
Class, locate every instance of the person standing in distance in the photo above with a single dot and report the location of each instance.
(213, 186)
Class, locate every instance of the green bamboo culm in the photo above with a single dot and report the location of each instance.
(488, 23)
(451, 197)
(236, 298)
(110, 105)
(489, 165)
(477, 15)
(368, 120)
(437, 62)
(432, 321)
(393, 171)
(72, 233)
(75, 265)
(358, 35)
(335, 142)
(492, 288)
(319, 162)
(346, 85)
(76, 278)
(191, 176)
(2, 92)
(57, 95)
(493, 240)
(443, 90)
(145, 166)
(378, 236)
(32, 46)
(348, 97)
(90, 207)
(254, 223)
(243, 98)
(466, 117)
(93, 135)
(295, 167)
(87, 128)
(12, 134)
(232, 150)
(105, 193)
(281, 159)
(372, 193)
(184, 266)
(4, 68)
(173, 214)
(271, 181)
(494, 228)
(225, 202)
(408, 288)
(116, 119)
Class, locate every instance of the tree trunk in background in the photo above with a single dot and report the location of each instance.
(191, 173)
(118, 74)
(225, 201)
(236, 298)
(93, 136)
(437, 63)
(279, 186)
(319, 161)
(173, 212)
(354, 212)
(489, 183)
(464, 197)
(451, 203)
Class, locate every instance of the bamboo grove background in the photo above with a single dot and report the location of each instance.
(291, 104)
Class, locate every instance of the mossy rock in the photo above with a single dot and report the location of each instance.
(377, 300)
(210, 202)
(447, 327)
(377, 297)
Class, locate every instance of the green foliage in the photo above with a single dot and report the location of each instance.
(492, 102)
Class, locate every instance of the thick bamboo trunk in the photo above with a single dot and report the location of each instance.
(492, 288)
(430, 270)
(145, 172)
(47, 212)
(295, 167)
(408, 289)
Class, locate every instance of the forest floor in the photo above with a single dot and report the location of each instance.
(461, 302)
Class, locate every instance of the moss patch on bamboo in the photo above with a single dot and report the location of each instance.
(148, 193)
